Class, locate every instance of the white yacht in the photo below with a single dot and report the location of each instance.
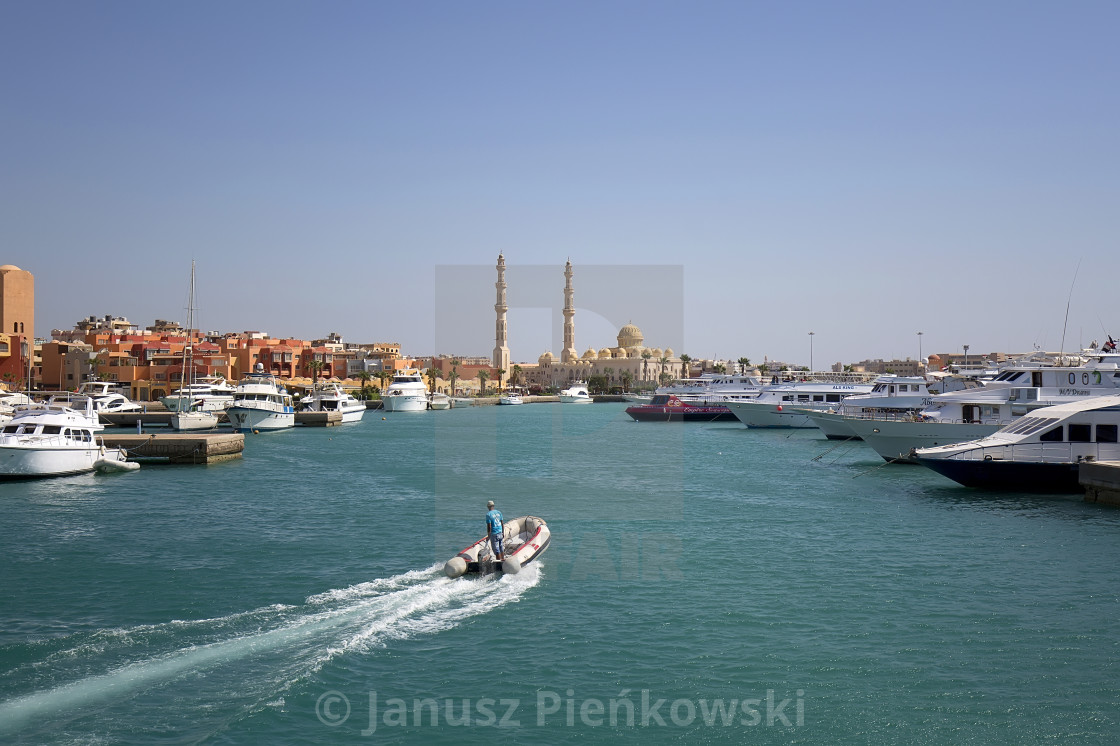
(331, 397)
(103, 394)
(407, 393)
(1039, 452)
(891, 396)
(577, 393)
(785, 404)
(511, 397)
(260, 403)
(713, 387)
(208, 394)
(970, 414)
(52, 440)
(188, 414)
(439, 401)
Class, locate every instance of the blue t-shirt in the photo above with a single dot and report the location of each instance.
(494, 521)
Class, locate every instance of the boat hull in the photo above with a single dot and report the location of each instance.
(21, 462)
(249, 418)
(194, 421)
(405, 403)
(895, 440)
(1016, 476)
(761, 415)
(680, 413)
(834, 426)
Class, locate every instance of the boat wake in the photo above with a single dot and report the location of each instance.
(230, 666)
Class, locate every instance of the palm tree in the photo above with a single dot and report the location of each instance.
(501, 372)
(719, 368)
(609, 374)
(646, 355)
(454, 375)
(383, 376)
(365, 378)
(316, 367)
(94, 364)
(516, 377)
(627, 378)
(432, 374)
(744, 363)
(661, 361)
(483, 375)
(686, 371)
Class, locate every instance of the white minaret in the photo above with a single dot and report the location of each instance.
(501, 336)
(569, 353)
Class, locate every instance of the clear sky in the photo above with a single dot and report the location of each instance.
(862, 170)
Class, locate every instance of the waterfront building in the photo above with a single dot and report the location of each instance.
(17, 301)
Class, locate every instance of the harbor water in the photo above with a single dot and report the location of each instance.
(705, 584)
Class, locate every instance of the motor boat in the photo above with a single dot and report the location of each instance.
(208, 394)
(511, 396)
(331, 397)
(523, 540)
(439, 401)
(406, 393)
(52, 440)
(974, 413)
(103, 395)
(260, 403)
(669, 408)
(1039, 452)
(785, 404)
(891, 396)
(459, 402)
(577, 393)
(713, 387)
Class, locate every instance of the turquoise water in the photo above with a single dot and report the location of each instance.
(294, 595)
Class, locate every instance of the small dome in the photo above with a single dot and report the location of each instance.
(656, 352)
(590, 354)
(619, 352)
(605, 353)
(545, 358)
(669, 352)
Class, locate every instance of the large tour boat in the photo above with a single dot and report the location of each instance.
(971, 414)
(785, 404)
(260, 403)
(892, 396)
(1039, 452)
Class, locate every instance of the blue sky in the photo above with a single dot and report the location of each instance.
(863, 170)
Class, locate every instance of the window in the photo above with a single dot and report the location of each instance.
(1080, 433)
(1052, 436)
(834, 398)
(1106, 433)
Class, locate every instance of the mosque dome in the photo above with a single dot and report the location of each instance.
(656, 352)
(605, 353)
(620, 352)
(630, 336)
(545, 358)
(590, 354)
(669, 352)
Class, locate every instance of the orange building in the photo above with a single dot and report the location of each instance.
(17, 301)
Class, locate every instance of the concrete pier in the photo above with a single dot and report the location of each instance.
(180, 448)
(1101, 480)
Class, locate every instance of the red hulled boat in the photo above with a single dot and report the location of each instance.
(668, 408)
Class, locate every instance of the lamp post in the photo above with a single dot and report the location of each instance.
(811, 351)
(920, 349)
(965, 355)
(23, 348)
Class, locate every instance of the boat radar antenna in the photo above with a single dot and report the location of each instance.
(1062, 348)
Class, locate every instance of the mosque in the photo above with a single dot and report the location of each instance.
(628, 361)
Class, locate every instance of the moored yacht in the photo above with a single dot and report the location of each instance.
(891, 396)
(331, 397)
(51, 440)
(577, 393)
(260, 403)
(714, 387)
(102, 394)
(407, 393)
(785, 404)
(974, 413)
(208, 394)
(439, 401)
(1039, 452)
(669, 408)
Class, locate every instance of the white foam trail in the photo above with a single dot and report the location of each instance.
(349, 620)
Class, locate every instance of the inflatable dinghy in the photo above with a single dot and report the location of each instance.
(523, 539)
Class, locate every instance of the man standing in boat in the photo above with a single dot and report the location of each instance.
(494, 528)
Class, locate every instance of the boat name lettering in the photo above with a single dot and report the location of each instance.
(1074, 392)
